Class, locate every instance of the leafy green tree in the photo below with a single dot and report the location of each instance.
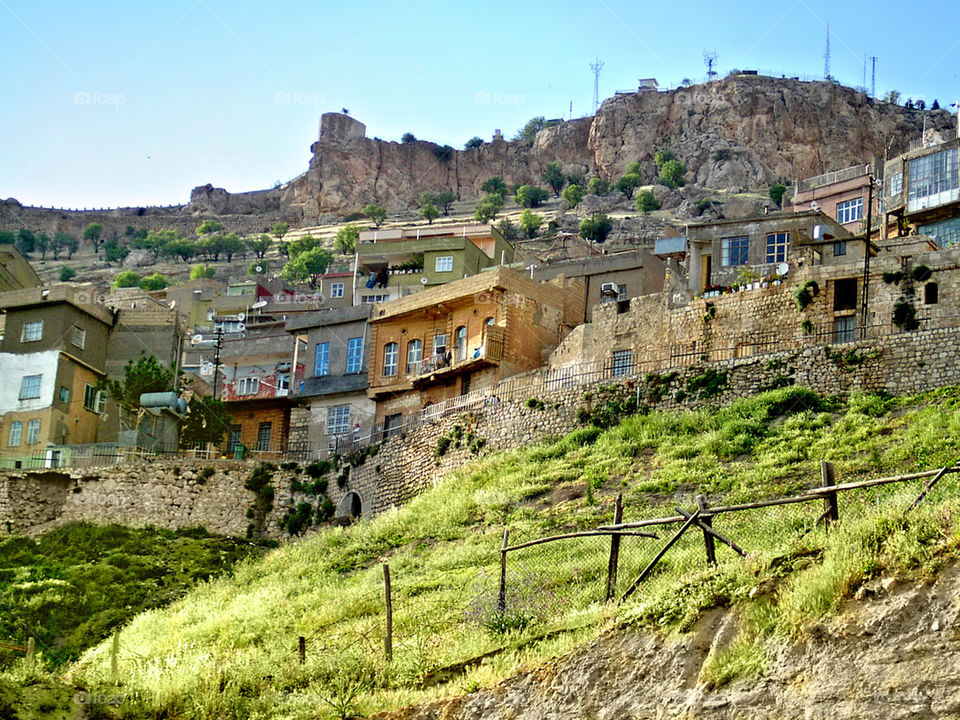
(488, 207)
(444, 200)
(258, 267)
(155, 240)
(209, 226)
(508, 229)
(529, 196)
(259, 245)
(7, 238)
(776, 193)
(408, 137)
(26, 241)
(671, 173)
(573, 195)
(156, 281)
(346, 240)
(126, 279)
(443, 152)
(207, 421)
(376, 213)
(114, 251)
(179, 247)
(67, 273)
(628, 183)
(429, 213)
(646, 202)
(529, 131)
(577, 178)
(495, 186)
(64, 242)
(530, 223)
(301, 245)
(200, 272)
(232, 245)
(473, 142)
(146, 375)
(554, 177)
(596, 228)
(307, 267)
(279, 229)
(93, 233)
(210, 246)
(661, 157)
(42, 243)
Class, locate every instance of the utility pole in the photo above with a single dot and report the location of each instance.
(709, 59)
(596, 67)
(873, 75)
(216, 363)
(865, 295)
(826, 57)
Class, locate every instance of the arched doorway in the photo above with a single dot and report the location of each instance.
(350, 507)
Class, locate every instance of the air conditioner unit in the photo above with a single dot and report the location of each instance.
(610, 289)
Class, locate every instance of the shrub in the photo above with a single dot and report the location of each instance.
(126, 279)
(921, 273)
(671, 174)
(318, 468)
(598, 186)
(204, 475)
(156, 281)
(67, 273)
(202, 271)
(646, 202)
(776, 193)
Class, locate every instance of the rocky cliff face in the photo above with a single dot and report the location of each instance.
(892, 656)
(737, 133)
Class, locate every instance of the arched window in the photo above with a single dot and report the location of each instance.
(390, 352)
(461, 339)
(414, 356)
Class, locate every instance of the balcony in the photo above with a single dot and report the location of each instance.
(439, 368)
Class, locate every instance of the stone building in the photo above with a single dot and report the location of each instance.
(16, 272)
(841, 195)
(462, 336)
(330, 407)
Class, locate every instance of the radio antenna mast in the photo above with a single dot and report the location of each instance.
(596, 67)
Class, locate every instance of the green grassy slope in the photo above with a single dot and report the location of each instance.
(229, 648)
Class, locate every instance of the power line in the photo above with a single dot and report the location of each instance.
(596, 67)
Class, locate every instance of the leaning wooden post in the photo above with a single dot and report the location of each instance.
(115, 657)
(388, 638)
(614, 550)
(830, 508)
(708, 541)
(502, 597)
(31, 650)
(302, 649)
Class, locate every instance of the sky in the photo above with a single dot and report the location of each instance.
(108, 104)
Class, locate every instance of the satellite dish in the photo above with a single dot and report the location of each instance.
(206, 368)
(782, 268)
(241, 317)
(423, 280)
(173, 304)
(241, 327)
(196, 339)
(259, 268)
(258, 304)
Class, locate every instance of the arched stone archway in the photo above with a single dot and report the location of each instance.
(350, 507)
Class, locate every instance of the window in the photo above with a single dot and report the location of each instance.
(622, 362)
(840, 248)
(91, 398)
(30, 387)
(444, 263)
(933, 180)
(33, 432)
(390, 359)
(461, 337)
(263, 436)
(336, 290)
(733, 250)
(32, 331)
(850, 211)
(777, 247)
(896, 184)
(283, 385)
(248, 386)
(845, 294)
(621, 292)
(440, 344)
(931, 294)
(233, 439)
(354, 355)
(321, 364)
(945, 232)
(392, 425)
(414, 356)
(369, 299)
(16, 428)
(79, 337)
(64, 394)
(845, 329)
(338, 419)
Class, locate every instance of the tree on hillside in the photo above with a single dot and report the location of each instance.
(671, 173)
(26, 241)
(408, 137)
(67, 273)
(92, 233)
(114, 251)
(63, 242)
(155, 240)
(146, 375)
(307, 267)
(179, 247)
(126, 279)
(376, 213)
(628, 183)
(647, 202)
(207, 421)
(429, 213)
(776, 193)
(260, 245)
(494, 186)
(444, 200)
(258, 267)
(488, 207)
(554, 177)
(42, 243)
(508, 229)
(473, 142)
(198, 272)
(595, 228)
(232, 245)
(529, 131)
(156, 281)
(209, 226)
(300, 245)
(346, 240)
(530, 223)
(573, 195)
(279, 229)
(529, 196)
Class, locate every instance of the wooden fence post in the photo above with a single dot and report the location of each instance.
(115, 657)
(502, 597)
(388, 638)
(708, 542)
(830, 508)
(302, 649)
(31, 650)
(614, 550)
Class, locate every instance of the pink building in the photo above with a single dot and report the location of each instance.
(841, 195)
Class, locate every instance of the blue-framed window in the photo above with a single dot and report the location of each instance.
(354, 355)
(321, 365)
(734, 250)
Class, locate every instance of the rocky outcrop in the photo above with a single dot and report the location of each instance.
(893, 656)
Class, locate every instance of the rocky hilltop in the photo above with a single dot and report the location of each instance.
(742, 132)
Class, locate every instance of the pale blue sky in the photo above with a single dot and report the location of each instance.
(135, 103)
